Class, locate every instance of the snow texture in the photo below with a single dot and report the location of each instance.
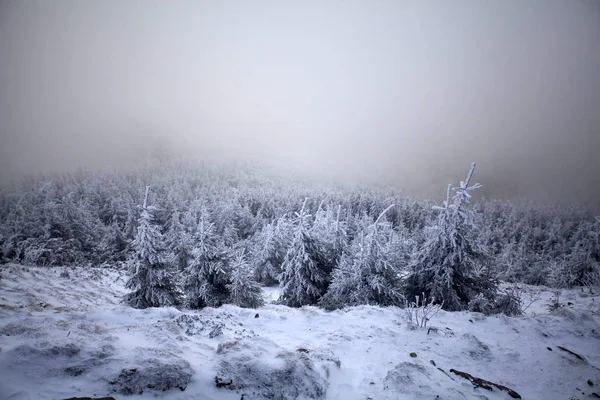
(70, 336)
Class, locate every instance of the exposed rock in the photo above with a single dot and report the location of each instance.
(75, 370)
(571, 352)
(69, 350)
(153, 374)
(478, 382)
(403, 375)
(260, 368)
(90, 398)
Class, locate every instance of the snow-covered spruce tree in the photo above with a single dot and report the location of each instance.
(450, 265)
(369, 272)
(330, 234)
(305, 270)
(150, 276)
(269, 247)
(244, 291)
(205, 279)
(179, 241)
(581, 266)
(114, 246)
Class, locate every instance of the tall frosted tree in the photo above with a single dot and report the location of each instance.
(206, 278)
(330, 234)
(305, 271)
(179, 241)
(450, 265)
(269, 249)
(244, 291)
(150, 277)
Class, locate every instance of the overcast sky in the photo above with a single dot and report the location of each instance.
(401, 92)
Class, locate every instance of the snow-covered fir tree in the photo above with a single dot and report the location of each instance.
(306, 271)
(449, 266)
(330, 234)
(244, 291)
(91, 219)
(114, 244)
(150, 277)
(580, 266)
(179, 241)
(370, 271)
(269, 247)
(205, 280)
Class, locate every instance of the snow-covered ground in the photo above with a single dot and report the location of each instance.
(65, 336)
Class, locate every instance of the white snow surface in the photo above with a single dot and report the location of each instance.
(50, 324)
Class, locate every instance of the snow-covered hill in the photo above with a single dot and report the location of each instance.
(64, 333)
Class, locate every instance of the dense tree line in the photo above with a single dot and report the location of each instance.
(210, 234)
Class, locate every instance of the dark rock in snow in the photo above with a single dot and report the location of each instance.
(478, 382)
(105, 351)
(571, 352)
(153, 374)
(413, 354)
(219, 382)
(69, 350)
(75, 370)
(90, 398)
(404, 377)
(261, 369)
(14, 329)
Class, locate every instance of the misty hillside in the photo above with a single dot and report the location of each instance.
(213, 281)
(89, 218)
(273, 200)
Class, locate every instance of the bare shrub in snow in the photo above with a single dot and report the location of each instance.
(420, 311)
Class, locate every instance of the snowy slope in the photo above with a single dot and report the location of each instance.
(69, 336)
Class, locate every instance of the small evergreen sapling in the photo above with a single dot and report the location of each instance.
(369, 273)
